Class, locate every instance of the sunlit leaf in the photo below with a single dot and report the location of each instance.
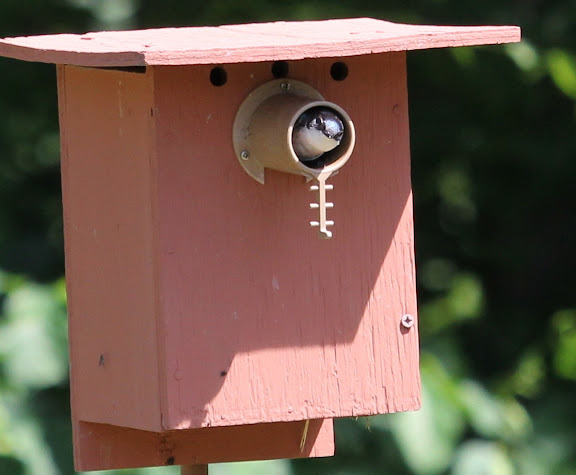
(110, 14)
(272, 467)
(428, 438)
(23, 434)
(492, 416)
(562, 66)
(529, 378)
(33, 337)
(524, 54)
(484, 411)
(518, 422)
(564, 324)
(464, 300)
(466, 296)
(479, 457)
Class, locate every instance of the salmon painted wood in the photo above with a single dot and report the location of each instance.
(206, 322)
(248, 43)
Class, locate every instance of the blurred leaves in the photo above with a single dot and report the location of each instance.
(33, 336)
(480, 457)
(564, 326)
(562, 66)
(454, 409)
(274, 467)
(461, 300)
(428, 438)
(33, 357)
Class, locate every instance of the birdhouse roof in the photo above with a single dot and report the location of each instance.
(247, 43)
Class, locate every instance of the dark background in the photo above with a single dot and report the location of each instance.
(493, 151)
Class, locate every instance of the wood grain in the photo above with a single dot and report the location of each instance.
(107, 185)
(199, 298)
(194, 470)
(108, 190)
(260, 320)
(248, 43)
(105, 447)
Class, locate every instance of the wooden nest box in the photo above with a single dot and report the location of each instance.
(207, 321)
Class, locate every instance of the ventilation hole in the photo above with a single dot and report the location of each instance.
(339, 71)
(218, 76)
(280, 69)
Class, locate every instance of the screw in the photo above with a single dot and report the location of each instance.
(285, 86)
(244, 154)
(408, 321)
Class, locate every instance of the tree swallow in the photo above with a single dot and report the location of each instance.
(316, 131)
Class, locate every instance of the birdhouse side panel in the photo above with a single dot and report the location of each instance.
(260, 320)
(106, 134)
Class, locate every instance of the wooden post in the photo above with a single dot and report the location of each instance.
(194, 470)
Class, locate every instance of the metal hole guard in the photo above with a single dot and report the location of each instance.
(262, 136)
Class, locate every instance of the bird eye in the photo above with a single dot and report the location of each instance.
(318, 121)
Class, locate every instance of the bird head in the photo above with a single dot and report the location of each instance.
(317, 131)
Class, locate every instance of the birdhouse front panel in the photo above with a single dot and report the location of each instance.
(260, 320)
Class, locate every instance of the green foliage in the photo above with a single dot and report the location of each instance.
(562, 66)
(33, 360)
(493, 147)
(564, 325)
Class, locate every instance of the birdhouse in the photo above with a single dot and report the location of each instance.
(207, 321)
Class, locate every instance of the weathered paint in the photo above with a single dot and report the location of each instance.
(303, 328)
(201, 298)
(248, 43)
(104, 447)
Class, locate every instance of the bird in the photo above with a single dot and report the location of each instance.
(316, 131)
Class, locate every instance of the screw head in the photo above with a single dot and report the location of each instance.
(408, 321)
(244, 154)
(285, 86)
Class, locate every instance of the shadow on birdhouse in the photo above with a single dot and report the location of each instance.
(206, 323)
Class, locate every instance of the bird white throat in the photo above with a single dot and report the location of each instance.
(316, 132)
(309, 144)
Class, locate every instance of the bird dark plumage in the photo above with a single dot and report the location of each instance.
(317, 131)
